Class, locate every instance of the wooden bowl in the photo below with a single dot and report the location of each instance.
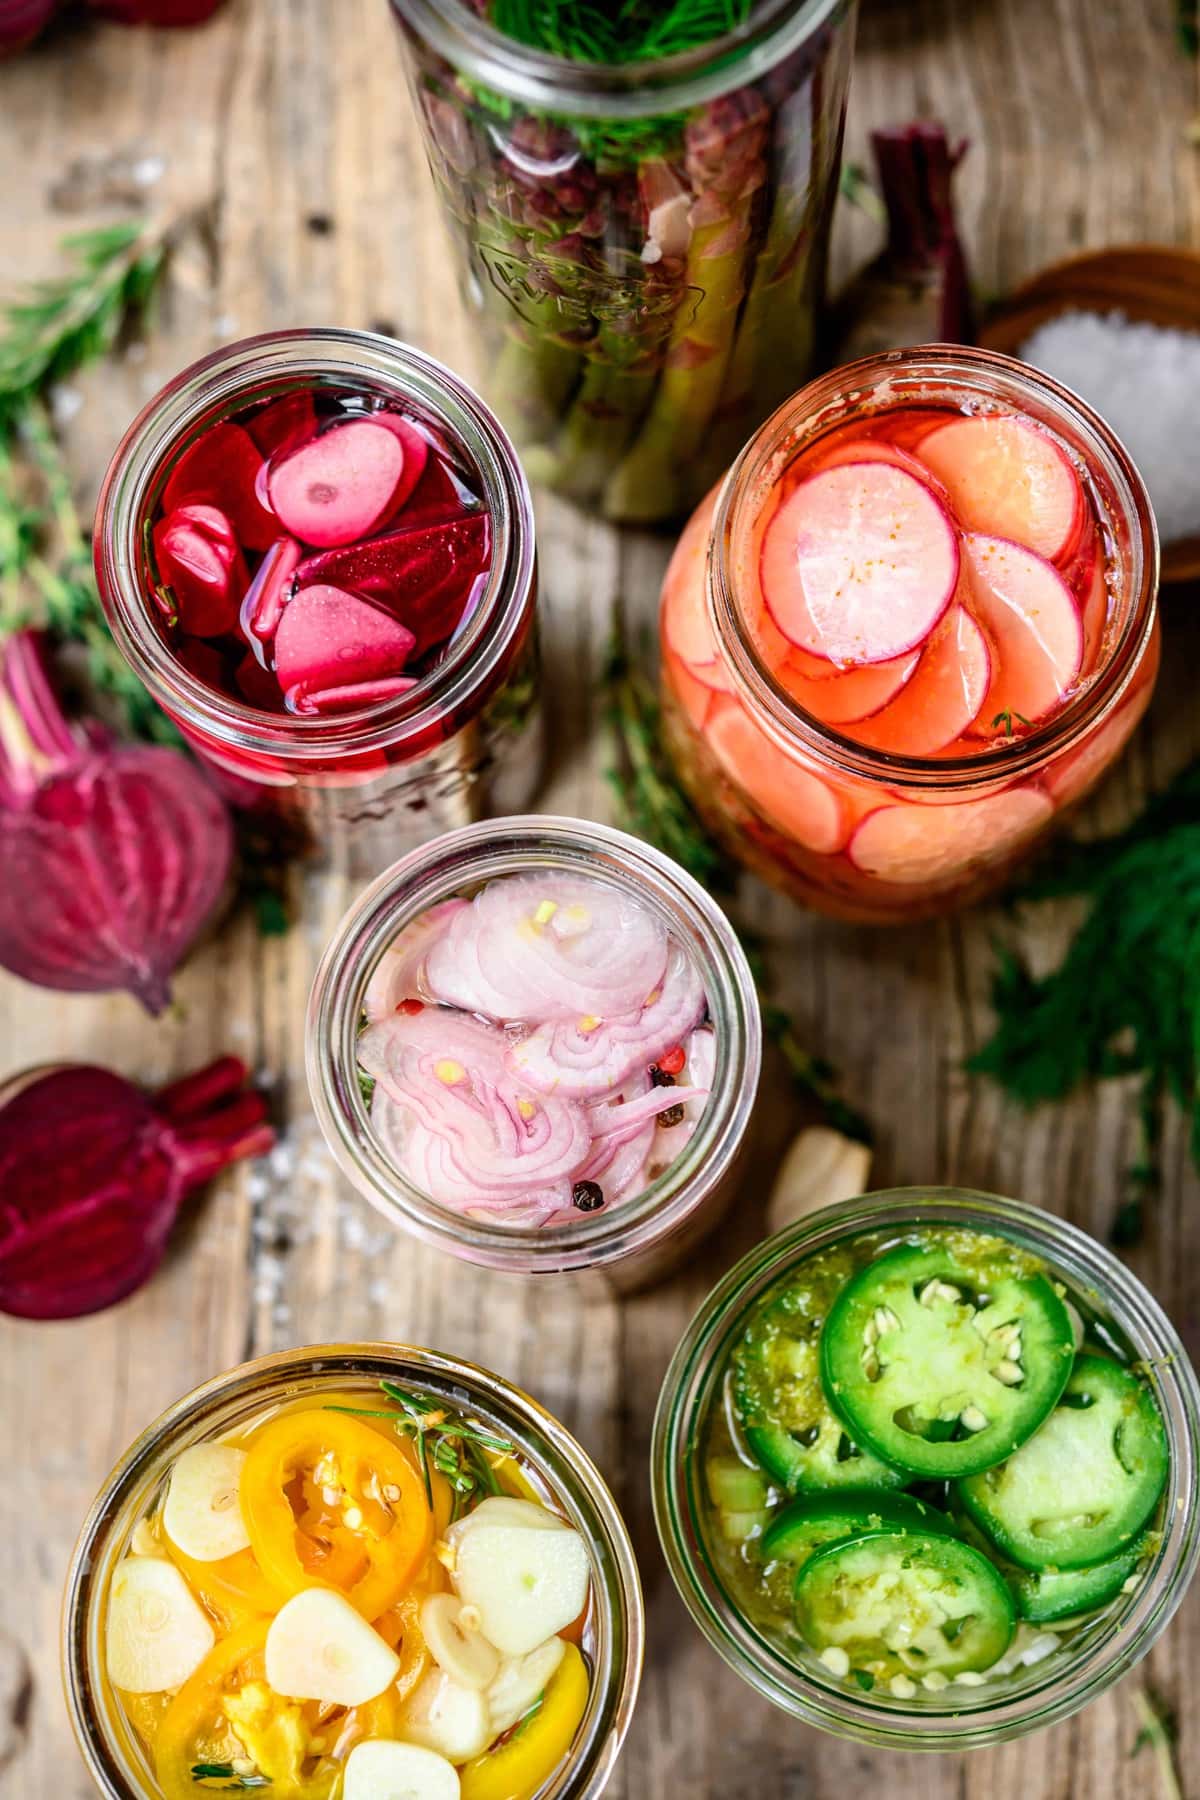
(1151, 283)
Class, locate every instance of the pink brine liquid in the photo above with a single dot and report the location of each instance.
(317, 553)
(928, 583)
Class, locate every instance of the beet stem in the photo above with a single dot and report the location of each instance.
(199, 1159)
(193, 1096)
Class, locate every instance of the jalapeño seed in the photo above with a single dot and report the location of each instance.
(587, 1196)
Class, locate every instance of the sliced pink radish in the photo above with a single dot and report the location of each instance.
(944, 696)
(416, 454)
(220, 469)
(693, 696)
(328, 639)
(320, 700)
(859, 564)
(868, 449)
(1071, 776)
(1009, 479)
(265, 598)
(798, 803)
(685, 621)
(1030, 615)
(285, 424)
(339, 486)
(910, 844)
(199, 559)
(1094, 613)
(423, 575)
(842, 697)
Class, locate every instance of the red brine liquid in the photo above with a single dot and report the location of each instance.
(316, 554)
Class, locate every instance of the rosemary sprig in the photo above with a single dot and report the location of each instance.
(1157, 1731)
(652, 804)
(445, 1442)
(228, 1777)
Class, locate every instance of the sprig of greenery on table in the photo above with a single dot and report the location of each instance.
(1158, 1732)
(1125, 1000)
(651, 804)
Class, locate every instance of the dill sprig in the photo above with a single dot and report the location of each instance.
(632, 31)
(651, 804)
(445, 1442)
(1125, 1000)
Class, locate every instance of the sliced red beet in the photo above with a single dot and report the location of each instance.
(842, 697)
(265, 598)
(859, 563)
(220, 469)
(285, 423)
(1029, 613)
(302, 699)
(199, 559)
(339, 486)
(1009, 479)
(416, 454)
(330, 639)
(797, 802)
(912, 845)
(423, 575)
(943, 698)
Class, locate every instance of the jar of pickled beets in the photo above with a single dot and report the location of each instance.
(352, 1572)
(316, 549)
(536, 1045)
(915, 623)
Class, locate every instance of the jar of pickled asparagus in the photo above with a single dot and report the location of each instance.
(536, 1045)
(316, 550)
(640, 212)
(925, 1469)
(355, 1570)
(915, 624)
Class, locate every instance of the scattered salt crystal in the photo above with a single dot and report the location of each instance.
(1144, 381)
(148, 169)
(65, 402)
(281, 1161)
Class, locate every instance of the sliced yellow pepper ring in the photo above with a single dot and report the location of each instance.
(196, 1710)
(518, 1768)
(235, 1587)
(367, 1540)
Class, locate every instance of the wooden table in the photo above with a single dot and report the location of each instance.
(285, 126)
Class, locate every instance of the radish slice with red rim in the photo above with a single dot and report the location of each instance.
(686, 624)
(859, 564)
(797, 802)
(693, 695)
(221, 469)
(911, 845)
(1008, 478)
(943, 698)
(1030, 615)
(842, 697)
(328, 638)
(339, 486)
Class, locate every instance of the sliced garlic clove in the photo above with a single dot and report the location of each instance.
(202, 1514)
(442, 1715)
(820, 1168)
(526, 1584)
(381, 1769)
(457, 1644)
(520, 1682)
(319, 1648)
(504, 1509)
(156, 1633)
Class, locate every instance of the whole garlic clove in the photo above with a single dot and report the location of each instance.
(820, 1168)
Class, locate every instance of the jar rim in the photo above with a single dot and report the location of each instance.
(208, 389)
(546, 82)
(968, 368)
(590, 1503)
(967, 1721)
(469, 856)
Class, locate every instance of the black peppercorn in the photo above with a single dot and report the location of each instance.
(673, 1115)
(587, 1196)
(659, 1077)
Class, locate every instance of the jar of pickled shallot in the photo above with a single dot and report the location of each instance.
(914, 625)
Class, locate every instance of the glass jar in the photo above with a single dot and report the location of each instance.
(1035, 1696)
(636, 1240)
(642, 245)
(109, 1747)
(467, 739)
(790, 808)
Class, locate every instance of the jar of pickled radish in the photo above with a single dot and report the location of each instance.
(536, 1045)
(914, 625)
(354, 1570)
(925, 1469)
(316, 550)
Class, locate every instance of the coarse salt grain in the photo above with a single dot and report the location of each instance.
(1144, 381)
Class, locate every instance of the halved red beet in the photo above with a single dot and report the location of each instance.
(943, 698)
(220, 469)
(340, 485)
(911, 845)
(416, 454)
(859, 563)
(422, 575)
(329, 639)
(844, 696)
(796, 801)
(265, 598)
(1030, 615)
(1008, 478)
(285, 424)
(199, 559)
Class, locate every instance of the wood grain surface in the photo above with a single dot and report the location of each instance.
(284, 130)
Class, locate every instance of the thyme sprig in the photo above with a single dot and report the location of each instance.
(1157, 1732)
(652, 804)
(228, 1777)
(445, 1442)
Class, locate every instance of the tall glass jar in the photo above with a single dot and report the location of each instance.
(1032, 1697)
(636, 1240)
(642, 245)
(787, 793)
(114, 1759)
(462, 743)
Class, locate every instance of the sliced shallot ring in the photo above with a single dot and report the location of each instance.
(398, 974)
